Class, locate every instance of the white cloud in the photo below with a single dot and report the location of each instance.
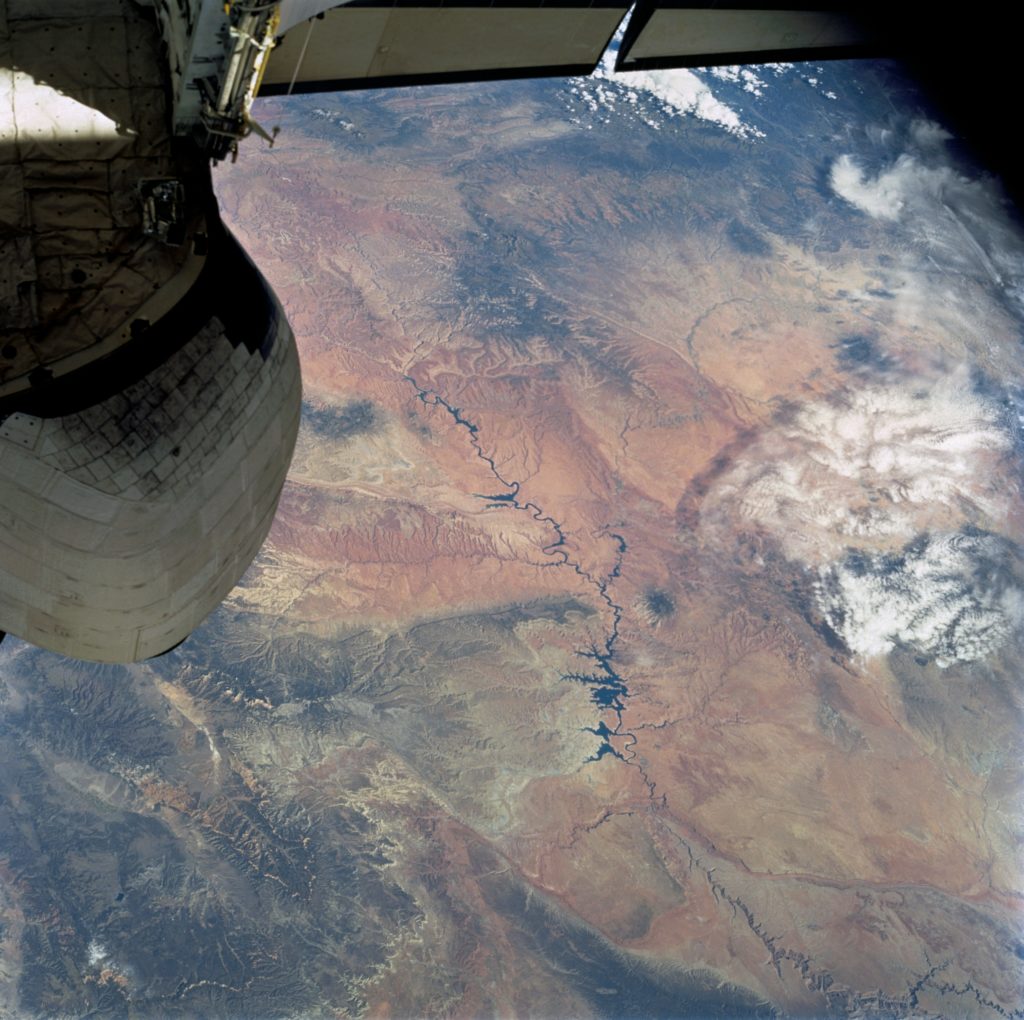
(928, 134)
(958, 224)
(905, 185)
(871, 467)
(943, 596)
(888, 493)
(883, 196)
(680, 92)
(676, 92)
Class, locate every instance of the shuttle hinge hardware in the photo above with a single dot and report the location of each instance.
(217, 52)
(227, 98)
(163, 209)
(256, 128)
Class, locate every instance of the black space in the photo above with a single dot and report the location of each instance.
(968, 67)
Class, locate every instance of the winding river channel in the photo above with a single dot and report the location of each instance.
(609, 689)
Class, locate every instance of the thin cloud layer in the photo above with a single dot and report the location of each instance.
(956, 221)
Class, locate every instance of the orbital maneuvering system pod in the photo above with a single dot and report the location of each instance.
(149, 382)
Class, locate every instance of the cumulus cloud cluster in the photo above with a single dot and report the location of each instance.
(675, 93)
(680, 93)
(945, 596)
(874, 466)
(885, 194)
(873, 490)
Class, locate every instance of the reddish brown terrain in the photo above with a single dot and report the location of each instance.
(804, 823)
